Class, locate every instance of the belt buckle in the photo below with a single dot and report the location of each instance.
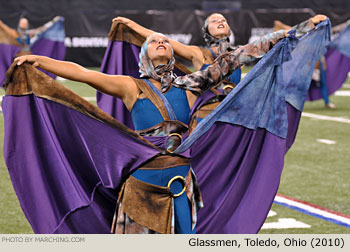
(170, 135)
(182, 179)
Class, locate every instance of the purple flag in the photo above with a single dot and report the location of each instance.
(64, 155)
(117, 62)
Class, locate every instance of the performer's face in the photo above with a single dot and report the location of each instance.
(23, 23)
(217, 26)
(158, 49)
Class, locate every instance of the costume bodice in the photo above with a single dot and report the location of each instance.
(145, 114)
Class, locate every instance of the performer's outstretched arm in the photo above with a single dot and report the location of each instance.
(11, 32)
(189, 52)
(38, 31)
(225, 64)
(117, 85)
(260, 47)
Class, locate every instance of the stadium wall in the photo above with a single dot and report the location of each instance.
(87, 22)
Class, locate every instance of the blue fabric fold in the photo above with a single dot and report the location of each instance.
(55, 33)
(342, 42)
(297, 73)
(338, 65)
(282, 75)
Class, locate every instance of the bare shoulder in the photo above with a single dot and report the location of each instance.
(130, 89)
(196, 50)
(198, 57)
(127, 83)
(122, 78)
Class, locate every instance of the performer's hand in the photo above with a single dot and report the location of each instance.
(123, 20)
(1, 23)
(58, 18)
(318, 18)
(33, 59)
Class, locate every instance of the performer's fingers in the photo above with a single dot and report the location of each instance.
(117, 19)
(318, 18)
(321, 17)
(19, 60)
(121, 19)
(36, 64)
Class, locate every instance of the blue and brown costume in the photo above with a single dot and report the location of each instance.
(168, 183)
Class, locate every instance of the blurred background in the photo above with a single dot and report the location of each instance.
(87, 22)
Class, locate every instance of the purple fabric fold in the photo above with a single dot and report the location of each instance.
(338, 66)
(238, 171)
(57, 157)
(120, 59)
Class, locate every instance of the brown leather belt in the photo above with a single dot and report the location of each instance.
(164, 162)
(173, 129)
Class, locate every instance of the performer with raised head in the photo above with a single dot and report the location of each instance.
(47, 40)
(25, 36)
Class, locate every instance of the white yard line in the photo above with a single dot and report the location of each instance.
(327, 118)
(285, 223)
(342, 93)
(90, 98)
(271, 213)
(326, 141)
(58, 78)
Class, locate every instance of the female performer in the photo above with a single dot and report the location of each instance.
(25, 36)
